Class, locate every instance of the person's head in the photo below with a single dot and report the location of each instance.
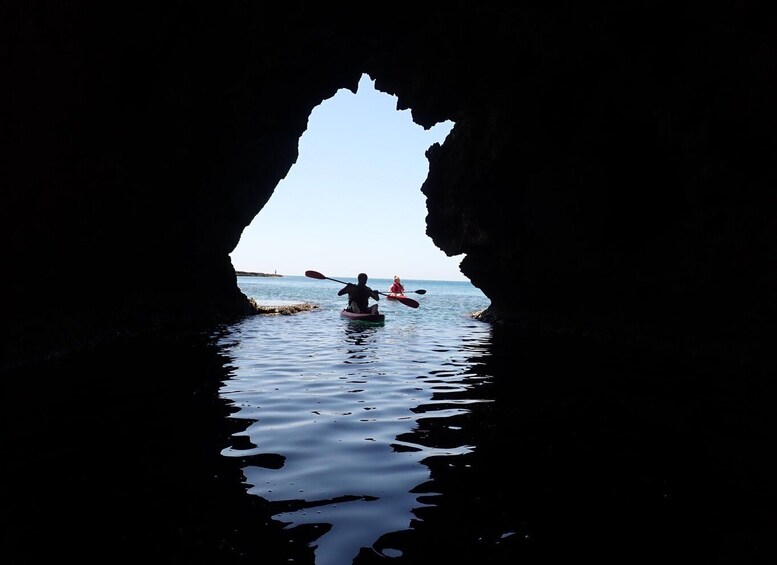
(396, 278)
(362, 278)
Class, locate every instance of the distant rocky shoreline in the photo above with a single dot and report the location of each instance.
(250, 274)
(285, 309)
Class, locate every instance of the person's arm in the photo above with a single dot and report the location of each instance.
(345, 289)
(374, 294)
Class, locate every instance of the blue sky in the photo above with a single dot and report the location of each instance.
(352, 202)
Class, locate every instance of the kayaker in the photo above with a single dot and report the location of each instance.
(397, 287)
(359, 296)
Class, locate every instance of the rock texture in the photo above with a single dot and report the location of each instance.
(611, 171)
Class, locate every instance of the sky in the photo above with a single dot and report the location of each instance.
(352, 202)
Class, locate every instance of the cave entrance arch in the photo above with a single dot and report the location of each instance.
(352, 201)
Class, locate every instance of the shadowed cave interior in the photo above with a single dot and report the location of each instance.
(610, 178)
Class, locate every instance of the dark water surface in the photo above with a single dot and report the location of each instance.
(433, 438)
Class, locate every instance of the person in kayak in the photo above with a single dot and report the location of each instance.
(397, 287)
(359, 296)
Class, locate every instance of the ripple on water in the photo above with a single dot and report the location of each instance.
(341, 404)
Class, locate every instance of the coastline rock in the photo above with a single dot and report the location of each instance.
(282, 309)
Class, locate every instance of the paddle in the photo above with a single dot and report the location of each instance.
(406, 301)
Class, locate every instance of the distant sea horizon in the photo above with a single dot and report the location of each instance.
(252, 274)
(276, 274)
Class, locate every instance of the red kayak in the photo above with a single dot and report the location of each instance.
(394, 296)
(363, 316)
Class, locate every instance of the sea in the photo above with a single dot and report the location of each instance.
(344, 403)
(431, 438)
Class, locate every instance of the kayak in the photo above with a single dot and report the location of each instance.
(394, 296)
(362, 316)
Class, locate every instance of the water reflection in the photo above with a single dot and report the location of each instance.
(479, 448)
(359, 337)
(506, 448)
(356, 440)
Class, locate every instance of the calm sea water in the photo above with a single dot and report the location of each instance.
(341, 405)
(430, 439)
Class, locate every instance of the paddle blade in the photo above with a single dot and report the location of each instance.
(420, 291)
(407, 301)
(315, 275)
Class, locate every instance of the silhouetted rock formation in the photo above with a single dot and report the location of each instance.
(611, 171)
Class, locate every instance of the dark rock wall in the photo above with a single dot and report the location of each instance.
(611, 171)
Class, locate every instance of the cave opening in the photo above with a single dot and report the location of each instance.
(352, 201)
